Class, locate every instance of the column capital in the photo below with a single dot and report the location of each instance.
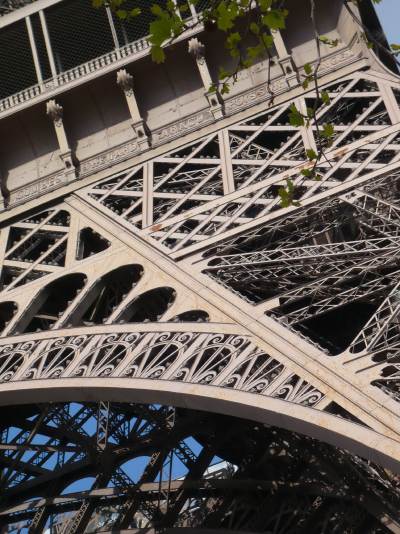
(54, 111)
(125, 80)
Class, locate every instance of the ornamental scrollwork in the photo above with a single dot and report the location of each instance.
(206, 358)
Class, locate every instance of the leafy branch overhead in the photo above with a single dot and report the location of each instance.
(248, 28)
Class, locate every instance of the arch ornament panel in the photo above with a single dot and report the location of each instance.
(208, 367)
(209, 354)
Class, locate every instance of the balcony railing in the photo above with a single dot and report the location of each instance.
(96, 65)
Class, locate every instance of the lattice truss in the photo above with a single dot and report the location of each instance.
(61, 277)
(327, 270)
(7, 6)
(192, 196)
(156, 466)
(60, 270)
(82, 298)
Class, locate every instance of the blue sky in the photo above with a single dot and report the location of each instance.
(389, 14)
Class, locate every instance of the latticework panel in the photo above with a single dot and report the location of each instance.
(224, 182)
(183, 281)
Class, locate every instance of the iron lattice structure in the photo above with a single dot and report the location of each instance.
(199, 357)
(269, 480)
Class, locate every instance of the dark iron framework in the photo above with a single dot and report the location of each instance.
(267, 479)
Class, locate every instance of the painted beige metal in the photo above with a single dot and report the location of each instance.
(184, 114)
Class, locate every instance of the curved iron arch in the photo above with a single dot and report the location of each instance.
(198, 366)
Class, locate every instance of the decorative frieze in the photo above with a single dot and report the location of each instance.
(204, 358)
(181, 127)
(109, 158)
(39, 187)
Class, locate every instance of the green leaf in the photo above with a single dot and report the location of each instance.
(396, 48)
(287, 194)
(328, 131)
(157, 10)
(254, 28)
(157, 54)
(265, 5)
(329, 42)
(325, 98)
(222, 74)
(254, 52)
(227, 13)
(310, 113)
(233, 40)
(122, 14)
(225, 88)
(295, 117)
(311, 154)
(307, 173)
(267, 40)
(165, 26)
(135, 12)
(275, 19)
(308, 69)
(97, 3)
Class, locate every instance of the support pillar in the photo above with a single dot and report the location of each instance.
(196, 49)
(285, 60)
(125, 81)
(55, 112)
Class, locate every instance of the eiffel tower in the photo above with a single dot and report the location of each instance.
(178, 350)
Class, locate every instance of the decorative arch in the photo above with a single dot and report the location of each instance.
(50, 303)
(150, 305)
(328, 428)
(196, 366)
(103, 297)
(7, 311)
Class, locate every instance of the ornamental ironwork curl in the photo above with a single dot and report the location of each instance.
(206, 357)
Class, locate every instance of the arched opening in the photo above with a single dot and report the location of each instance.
(106, 294)
(82, 484)
(135, 467)
(51, 303)
(149, 306)
(191, 316)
